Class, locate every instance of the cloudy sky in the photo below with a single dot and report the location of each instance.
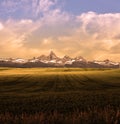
(90, 28)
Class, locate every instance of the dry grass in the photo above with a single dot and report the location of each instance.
(92, 116)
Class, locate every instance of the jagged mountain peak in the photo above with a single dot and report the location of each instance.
(80, 58)
(42, 57)
(106, 60)
(66, 57)
(52, 60)
(52, 55)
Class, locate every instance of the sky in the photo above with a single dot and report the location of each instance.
(88, 28)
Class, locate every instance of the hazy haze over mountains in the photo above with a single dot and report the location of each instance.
(52, 60)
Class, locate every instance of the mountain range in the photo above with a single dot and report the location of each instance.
(52, 60)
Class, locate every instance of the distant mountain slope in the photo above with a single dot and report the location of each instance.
(52, 60)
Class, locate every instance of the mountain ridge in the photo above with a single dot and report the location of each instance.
(52, 60)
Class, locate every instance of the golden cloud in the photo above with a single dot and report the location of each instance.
(92, 35)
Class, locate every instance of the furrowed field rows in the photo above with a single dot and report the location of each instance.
(58, 81)
(52, 94)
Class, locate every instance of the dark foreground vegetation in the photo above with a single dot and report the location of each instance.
(59, 96)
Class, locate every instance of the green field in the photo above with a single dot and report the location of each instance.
(60, 95)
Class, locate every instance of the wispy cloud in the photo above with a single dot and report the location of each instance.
(43, 5)
(92, 35)
(25, 8)
(1, 26)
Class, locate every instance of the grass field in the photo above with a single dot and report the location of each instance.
(59, 95)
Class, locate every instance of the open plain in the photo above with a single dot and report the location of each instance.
(59, 95)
